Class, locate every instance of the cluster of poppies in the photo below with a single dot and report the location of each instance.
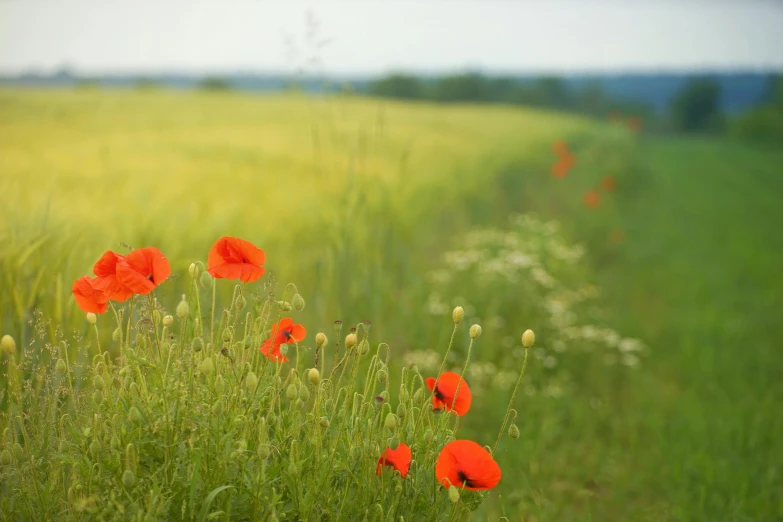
(632, 123)
(461, 463)
(566, 161)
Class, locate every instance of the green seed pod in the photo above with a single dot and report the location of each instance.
(475, 331)
(401, 410)
(391, 421)
(128, 479)
(298, 302)
(98, 383)
(60, 366)
(418, 396)
(241, 302)
(320, 339)
(168, 320)
(382, 376)
(457, 314)
(5, 457)
(314, 376)
(304, 393)
(95, 448)
(116, 335)
(18, 451)
(428, 435)
(206, 367)
(324, 422)
(513, 431)
(394, 443)
(248, 342)
(197, 344)
(226, 335)
(134, 415)
(217, 408)
(206, 280)
(264, 450)
(251, 381)
(291, 392)
(454, 494)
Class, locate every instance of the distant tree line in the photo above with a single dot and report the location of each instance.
(763, 124)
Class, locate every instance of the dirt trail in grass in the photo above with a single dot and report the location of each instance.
(700, 279)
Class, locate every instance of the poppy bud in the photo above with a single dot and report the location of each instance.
(206, 367)
(241, 302)
(98, 383)
(5, 458)
(95, 448)
(324, 422)
(454, 495)
(206, 280)
(220, 385)
(226, 335)
(391, 421)
(116, 335)
(314, 376)
(251, 381)
(320, 339)
(197, 344)
(183, 309)
(418, 396)
(115, 443)
(8, 344)
(428, 435)
(394, 443)
(291, 392)
(283, 349)
(457, 314)
(217, 408)
(528, 338)
(513, 431)
(298, 302)
(364, 347)
(475, 331)
(92, 318)
(264, 450)
(384, 395)
(350, 341)
(128, 479)
(60, 366)
(292, 469)
(192, 269)
(134, 415)
(168, 320)
(18, 451)
(401, 410)
(382, 376)
(378, 401)
(86, 432)
(285, 306)
(304, 393)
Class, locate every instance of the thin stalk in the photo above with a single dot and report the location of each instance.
(511, 402)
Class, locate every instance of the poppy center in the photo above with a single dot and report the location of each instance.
(465, 480)
(149, 278)
(439, 394)
(286, 334)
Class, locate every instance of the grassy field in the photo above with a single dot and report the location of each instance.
(355, 200)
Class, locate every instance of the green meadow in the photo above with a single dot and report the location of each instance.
(654, 390)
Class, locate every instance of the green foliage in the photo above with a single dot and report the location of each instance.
(696, 107)
(157, 432)
(213, 83)
(397, 85)
(763, 124)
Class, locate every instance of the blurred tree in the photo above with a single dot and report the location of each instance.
(763, 124)
(397, 86)
(462, 87)
(696, 107)
(213, 83)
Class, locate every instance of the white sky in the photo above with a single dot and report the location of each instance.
(371, 36)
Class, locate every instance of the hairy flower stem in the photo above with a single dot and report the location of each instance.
(212, 319)
(511, 403)
(440, 370)
(462, 375)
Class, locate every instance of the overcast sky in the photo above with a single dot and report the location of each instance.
(371, 36)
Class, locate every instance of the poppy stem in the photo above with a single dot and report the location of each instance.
(462, 375)
(511, 403)
(212, 317)
(130, 320)
(97, 338)
(437, 377)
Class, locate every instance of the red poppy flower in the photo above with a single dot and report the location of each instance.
(283, 332)
(399, 459)
(563, 165)
(609, 183)
(106, 271)
(143, 269)
(234, 258)
(446, 390)
(465, 463)
(88, 296)
(634, 124)
(560, 148)
(591, 199)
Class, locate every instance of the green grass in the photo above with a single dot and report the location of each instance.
(356, 212)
